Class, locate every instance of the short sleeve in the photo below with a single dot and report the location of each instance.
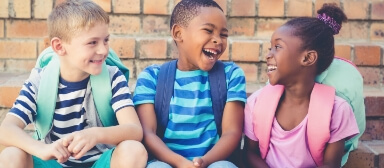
(121, 95)
(235, 82)
(343, 122)
(145, 90)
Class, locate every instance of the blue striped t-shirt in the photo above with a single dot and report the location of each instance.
(70, 113)
(191, 130)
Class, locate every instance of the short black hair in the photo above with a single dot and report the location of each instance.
(186, 10)
(317, 35)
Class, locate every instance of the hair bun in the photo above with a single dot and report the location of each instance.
(332, 16)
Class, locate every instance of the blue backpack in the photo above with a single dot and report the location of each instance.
(164, 92)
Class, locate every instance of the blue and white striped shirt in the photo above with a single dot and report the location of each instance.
(191, 130)
(70, 113)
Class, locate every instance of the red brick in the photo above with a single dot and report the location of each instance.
(173, 51)
(319, 3)
(130, 64)
(42, 8)
(8, 95)
(343, 51)
(26, 29)
(354, 30)
(124, 6)
(241, 26)
(299, 8)
(223, 5)
(377, 31)
(43, 44)
(142, 64)
(271, 8)
(156, 7)
(361, 157)
(367, 55)
(4, 5)
(265, 28)
(153, 48)
(263, 73)
(124, 25)
(225, 55)
(374, 106)
(243, 8)
(22, 8)
(374, 130)
(356, 9)
(57, 2)
(245, 51)
(265, 50)
(250, 71)
(377, 10)
(105, 4)
(158, 25)
(123, 46)
(175, 2)
(18, 49)
(2, 28)
(13, 65)
(371, 76)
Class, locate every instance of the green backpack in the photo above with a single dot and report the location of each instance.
(48, 87)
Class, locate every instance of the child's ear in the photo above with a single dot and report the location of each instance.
(57, 46)
(309, 58)
(176, 33)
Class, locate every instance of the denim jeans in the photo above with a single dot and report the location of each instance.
(218, 164)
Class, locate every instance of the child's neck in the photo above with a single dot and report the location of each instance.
(300, 92)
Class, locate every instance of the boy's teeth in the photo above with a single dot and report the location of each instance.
(210, 51)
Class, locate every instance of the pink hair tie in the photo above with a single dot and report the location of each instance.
(330, 22)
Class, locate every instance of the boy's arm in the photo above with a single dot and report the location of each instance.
(232, 126)
(153, 143)
(129, 128)
(252, 153)
(12, 134)
(333, 154)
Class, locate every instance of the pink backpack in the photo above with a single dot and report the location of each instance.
(319, 118)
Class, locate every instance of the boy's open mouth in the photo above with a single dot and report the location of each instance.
(96, 61)
(211, 53)
(271, 68)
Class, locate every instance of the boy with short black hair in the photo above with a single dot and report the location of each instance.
(78, 133)
(194, 132)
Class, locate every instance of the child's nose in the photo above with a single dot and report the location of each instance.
(103, 49)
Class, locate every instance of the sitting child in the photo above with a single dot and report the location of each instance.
(295, 122)
(77, 134)
(192, 108)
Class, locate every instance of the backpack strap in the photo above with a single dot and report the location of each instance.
(164, 92)
(165, 88)
(48, 87)
(320, 106)
(264, 113)
(319, 120)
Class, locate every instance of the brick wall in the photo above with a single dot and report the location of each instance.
(140, 32)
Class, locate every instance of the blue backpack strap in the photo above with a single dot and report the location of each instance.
(164, 92)
(218, 86)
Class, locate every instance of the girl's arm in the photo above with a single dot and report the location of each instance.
(153, 143)
(232, 126)
(333, 154)
(252, 153)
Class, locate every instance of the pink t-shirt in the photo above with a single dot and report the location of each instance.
(290, 148)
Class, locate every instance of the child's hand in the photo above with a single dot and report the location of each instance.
(186, 164)
(55, 150)
(197, 162)
(80, 142)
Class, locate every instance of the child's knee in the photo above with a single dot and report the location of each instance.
(131, 150)
(15, 157)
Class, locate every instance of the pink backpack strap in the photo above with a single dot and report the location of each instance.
(319, 120)
(264, 113)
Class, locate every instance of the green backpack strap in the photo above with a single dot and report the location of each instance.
(48, 87)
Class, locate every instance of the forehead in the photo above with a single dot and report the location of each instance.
(211, 15)
(286, 34)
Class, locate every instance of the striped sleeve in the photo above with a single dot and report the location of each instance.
(235, 82)
(24, 107)
(121, 95)
(146, 85)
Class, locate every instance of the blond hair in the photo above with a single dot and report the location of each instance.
(72, 16)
